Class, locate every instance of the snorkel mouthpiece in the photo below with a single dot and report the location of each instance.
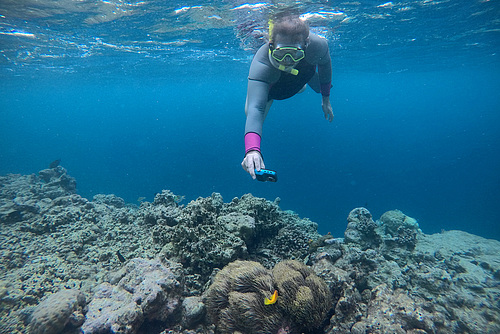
(292, 71)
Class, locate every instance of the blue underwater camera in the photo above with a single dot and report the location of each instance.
(266, 175)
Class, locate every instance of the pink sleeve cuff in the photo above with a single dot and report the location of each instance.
(252, 142)
(325, 88)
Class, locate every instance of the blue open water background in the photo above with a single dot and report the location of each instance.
(136, 97)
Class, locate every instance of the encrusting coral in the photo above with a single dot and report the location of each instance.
(247, 298)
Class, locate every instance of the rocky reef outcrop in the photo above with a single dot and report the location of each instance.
(142, 291)
(60, 312)
(409, 282)
(72, 265)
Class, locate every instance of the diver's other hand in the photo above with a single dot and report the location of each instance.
(253, 161)
(327, 108)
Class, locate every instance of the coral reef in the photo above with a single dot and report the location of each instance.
(399, 230)
(395, 312)
(193, 311)
(69, 264)
(142, 290)
(361, 229)
(208, 233)
(429, 287)
(236, 300)
(61, 312)
(53, 239)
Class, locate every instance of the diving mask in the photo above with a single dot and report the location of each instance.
(280, 53)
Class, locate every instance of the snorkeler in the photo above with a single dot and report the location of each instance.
(280, 69)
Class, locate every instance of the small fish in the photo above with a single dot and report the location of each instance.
(120, 257)
(272, 300)
(55, 163)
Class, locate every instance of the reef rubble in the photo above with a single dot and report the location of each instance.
(73, 265)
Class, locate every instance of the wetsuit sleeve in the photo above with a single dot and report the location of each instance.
(257, 93)
(325, 76)
(319, 53)
(261, 76)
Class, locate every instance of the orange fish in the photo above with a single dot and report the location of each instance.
(272, 300)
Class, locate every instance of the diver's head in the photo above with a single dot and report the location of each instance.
(289, 37)
(289, 29)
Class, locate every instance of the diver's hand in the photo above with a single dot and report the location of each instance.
(327, 108)
(253, 161)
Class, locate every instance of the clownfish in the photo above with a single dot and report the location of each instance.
(272, 300)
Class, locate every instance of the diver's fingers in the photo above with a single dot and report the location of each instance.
(251, 168)
(248, 165)
(329, 115)
(259, 163)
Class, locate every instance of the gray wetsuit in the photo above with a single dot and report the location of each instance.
(266, 82)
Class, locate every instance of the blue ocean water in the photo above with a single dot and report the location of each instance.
(136, 97)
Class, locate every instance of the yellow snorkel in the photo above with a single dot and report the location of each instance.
(292, 70)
